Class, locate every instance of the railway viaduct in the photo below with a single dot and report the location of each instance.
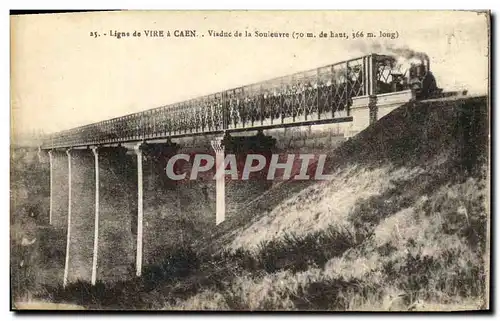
(104, 175)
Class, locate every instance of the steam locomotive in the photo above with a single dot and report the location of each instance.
(418, 78)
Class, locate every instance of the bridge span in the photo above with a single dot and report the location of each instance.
(322, 95)
(93, 166)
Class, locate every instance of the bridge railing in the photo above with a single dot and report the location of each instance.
(320, 94)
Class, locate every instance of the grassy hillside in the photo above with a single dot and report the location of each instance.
(401, 226)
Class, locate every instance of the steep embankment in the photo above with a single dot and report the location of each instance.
(403, 224)
(435, 141)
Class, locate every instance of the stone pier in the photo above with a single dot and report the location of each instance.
(117, 214)
(81, 227)
(59, 189)
(160, 201)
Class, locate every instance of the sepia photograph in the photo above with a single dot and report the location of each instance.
(334, 161)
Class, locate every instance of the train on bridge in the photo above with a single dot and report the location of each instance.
(321, 95)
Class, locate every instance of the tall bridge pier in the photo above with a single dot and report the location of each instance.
(115, 236)
(58, 188)
(81, 209)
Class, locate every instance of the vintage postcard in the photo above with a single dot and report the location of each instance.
(250, 161)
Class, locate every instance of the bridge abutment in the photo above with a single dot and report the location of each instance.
(367, 110)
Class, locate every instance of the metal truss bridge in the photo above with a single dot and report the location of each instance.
(321, 95)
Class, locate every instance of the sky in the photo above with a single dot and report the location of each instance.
(62, 77)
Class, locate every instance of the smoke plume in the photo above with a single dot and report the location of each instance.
(389, 49)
